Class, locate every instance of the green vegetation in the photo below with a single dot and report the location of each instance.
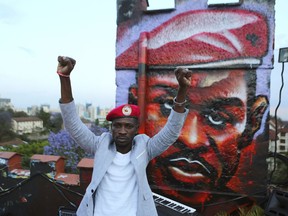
(253, 211)
(27, 150)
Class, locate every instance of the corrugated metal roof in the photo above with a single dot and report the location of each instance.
(86, 163)
(67, 178)
(46, 158)
(24, 119)
(7, 155)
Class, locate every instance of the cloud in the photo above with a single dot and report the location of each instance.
(26, 50)
(8, 15)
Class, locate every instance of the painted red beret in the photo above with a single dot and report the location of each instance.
(202, 38)
(125, 110)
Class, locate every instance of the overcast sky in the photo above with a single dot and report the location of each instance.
(34, 33)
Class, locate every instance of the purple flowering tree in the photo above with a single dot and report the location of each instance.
(62, 144)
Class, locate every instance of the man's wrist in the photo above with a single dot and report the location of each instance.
(62, 75)
(177, 103)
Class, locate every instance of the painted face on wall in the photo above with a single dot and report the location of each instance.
(206, 155)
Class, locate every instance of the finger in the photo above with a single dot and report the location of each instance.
(70, 62)
(178, 69)
(61, 60)
(65, 60)
(73, 61)
(188, 74)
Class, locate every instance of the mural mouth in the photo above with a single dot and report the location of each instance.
(187, 170)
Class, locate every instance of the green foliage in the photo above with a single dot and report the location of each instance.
(106, 124)
(97, 122)
(20, 114)
(222, 213)
(255, 210)
(55, 122)
(44, 116)
(6, 132)
(51, 122)
(27, 150)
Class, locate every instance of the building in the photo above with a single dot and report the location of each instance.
(24, 125)
(5, 103)
(43, 190)
(278, 137)
(33, 110)
(11, 160)
(85, 167)
(45, 107)
(280, 140)
(49, 164)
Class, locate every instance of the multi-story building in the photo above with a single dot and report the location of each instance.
(278, 138)
(282, 142)
(22, 125)
(6, 103)
(33, 110)
(45, 107)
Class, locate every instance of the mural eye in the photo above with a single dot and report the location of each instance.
(216, 119)
(168, 105)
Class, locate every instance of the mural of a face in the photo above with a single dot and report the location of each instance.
(206, 155)
(220, 153)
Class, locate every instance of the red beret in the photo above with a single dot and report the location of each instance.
(125, 110)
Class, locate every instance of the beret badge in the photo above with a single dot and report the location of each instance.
(127, 110)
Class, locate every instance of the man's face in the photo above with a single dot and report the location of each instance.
(206, 153)
(123, 132)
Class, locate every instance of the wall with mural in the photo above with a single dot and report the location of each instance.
(219, 161)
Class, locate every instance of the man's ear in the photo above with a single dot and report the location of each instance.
(254, 119)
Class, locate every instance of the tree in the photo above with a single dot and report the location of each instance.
(44, 116)
(106, 124)
(55, 122)
(51, 121)
(62, 144)
(19, 114)
(97, 122)
(6, 132)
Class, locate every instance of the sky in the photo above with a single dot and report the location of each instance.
(34, 33)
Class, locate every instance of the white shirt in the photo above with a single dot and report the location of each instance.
(118, 190)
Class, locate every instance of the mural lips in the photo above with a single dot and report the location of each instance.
(188, 168)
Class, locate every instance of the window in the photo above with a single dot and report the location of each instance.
(160, 5)
(224, 2)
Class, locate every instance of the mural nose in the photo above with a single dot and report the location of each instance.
(192, 134)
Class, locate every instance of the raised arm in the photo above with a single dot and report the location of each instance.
(183, 77)
(64, 69)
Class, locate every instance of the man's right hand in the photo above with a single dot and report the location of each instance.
(65, 65)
